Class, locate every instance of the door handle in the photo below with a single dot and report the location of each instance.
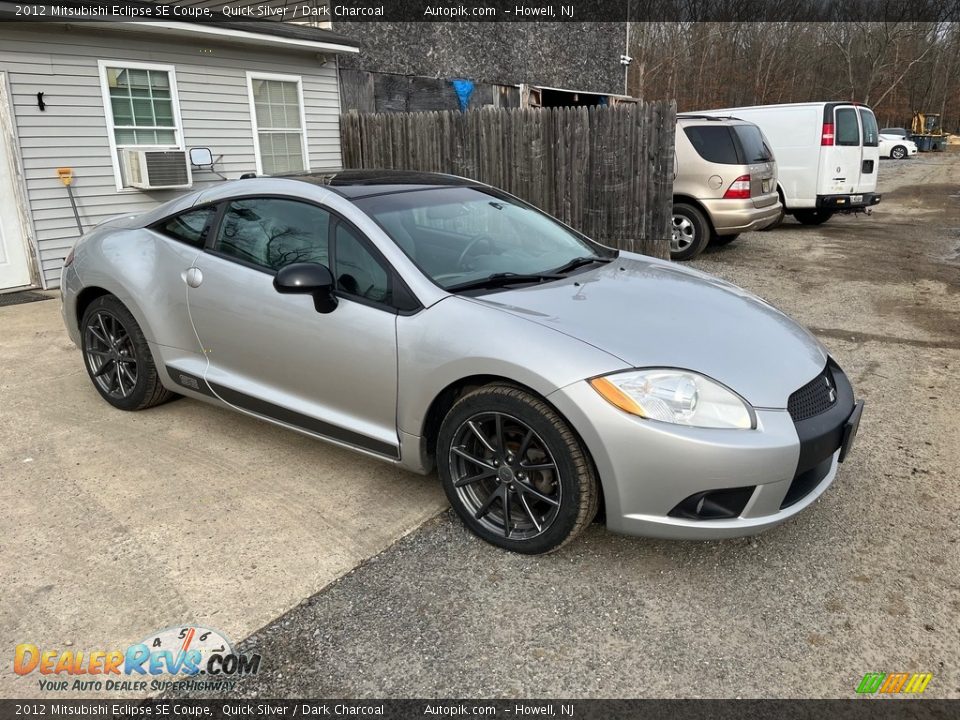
(193, 277)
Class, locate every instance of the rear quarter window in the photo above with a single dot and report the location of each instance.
(753, 144)
(714, 143)
(190, 227)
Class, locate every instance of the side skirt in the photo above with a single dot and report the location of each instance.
(270, 411)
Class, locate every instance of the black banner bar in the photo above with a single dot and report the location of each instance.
(859, 709)
(488, 11)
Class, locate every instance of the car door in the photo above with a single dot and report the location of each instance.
(332, 374)
(843, 161)
(870, 155)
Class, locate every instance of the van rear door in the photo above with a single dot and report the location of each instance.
(840, 164)
(870, 159)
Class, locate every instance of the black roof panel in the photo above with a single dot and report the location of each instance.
(364, 183)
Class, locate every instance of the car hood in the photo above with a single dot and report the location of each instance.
(651, 313)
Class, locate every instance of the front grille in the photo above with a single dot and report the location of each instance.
(816, 397)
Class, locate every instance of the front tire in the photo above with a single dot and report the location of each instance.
(691, 232)
(812, 217)
(899, 152)
(514, 471)
(117, 357)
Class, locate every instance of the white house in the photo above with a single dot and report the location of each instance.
(117, 107)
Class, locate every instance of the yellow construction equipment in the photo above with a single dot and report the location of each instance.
(927, 133)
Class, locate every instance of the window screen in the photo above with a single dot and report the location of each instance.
(142, 106)
(279, 125)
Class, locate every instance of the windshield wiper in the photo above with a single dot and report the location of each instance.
(580, 262)
(502, 279)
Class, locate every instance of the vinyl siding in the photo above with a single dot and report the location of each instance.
(72, 131)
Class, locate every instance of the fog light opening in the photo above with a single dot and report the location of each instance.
(714, 504)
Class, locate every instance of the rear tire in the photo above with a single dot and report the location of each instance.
(812, 217)
(691, 232)
(899, 152)
(514, 471)
(117, 357)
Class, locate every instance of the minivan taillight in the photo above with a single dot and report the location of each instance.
(739, 189)
(826, 137)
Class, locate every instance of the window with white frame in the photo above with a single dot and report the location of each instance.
(141, 108)
(141, 105)
(276, 108)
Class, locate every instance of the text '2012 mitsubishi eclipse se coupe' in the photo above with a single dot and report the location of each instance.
(433, 321)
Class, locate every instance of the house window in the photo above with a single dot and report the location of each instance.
(141, 107)
(279, 134)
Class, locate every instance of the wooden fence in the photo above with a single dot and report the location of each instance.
(606, 171)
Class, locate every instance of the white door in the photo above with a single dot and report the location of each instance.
(840, 167)
(14, 267)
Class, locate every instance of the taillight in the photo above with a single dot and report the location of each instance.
(826, 137)
(739, 189)
(68, 260)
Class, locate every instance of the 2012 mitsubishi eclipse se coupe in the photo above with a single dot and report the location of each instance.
(433, 321)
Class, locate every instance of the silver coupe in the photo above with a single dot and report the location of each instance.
(433, 321)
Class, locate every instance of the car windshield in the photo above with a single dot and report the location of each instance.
(461, 236)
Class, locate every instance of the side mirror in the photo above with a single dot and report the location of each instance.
(308, 279)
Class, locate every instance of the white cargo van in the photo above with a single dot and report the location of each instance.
(827, 155)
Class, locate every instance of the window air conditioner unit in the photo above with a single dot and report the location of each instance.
(155, 169)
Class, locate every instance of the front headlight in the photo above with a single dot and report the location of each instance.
(675, 396)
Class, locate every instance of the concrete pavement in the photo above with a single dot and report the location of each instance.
(113, 524)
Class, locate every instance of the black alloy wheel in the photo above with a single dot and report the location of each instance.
(117, 357)
(514, 471)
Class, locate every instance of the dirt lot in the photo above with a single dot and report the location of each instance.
(865, 580)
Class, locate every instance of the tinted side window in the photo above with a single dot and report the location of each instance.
(714, 143)
(273, 232)
(189, 227)
(753, 143)
(357, 271)
(871, 135)
(847, 130)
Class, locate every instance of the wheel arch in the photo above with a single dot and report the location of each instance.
(87, 296)
(690, 200)
(447, 398)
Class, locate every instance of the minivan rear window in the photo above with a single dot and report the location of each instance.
(848, 129)
(871, 135)
(753, 144)
(714, 143)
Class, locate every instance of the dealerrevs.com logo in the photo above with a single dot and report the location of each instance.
(185, 657)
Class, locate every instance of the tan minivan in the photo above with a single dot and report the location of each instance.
(725, 183)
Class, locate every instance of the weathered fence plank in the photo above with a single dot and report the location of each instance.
(606, 171)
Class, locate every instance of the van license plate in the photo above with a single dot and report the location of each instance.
(766, 186)
(857, 198)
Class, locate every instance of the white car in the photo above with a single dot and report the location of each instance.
(896, 147)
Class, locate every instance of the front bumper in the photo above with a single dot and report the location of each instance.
(730, 217)
(848, 202)
(649, 469)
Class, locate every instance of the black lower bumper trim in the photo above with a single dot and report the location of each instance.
(850, 201)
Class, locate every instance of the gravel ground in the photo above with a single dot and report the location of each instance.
(865, 580)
